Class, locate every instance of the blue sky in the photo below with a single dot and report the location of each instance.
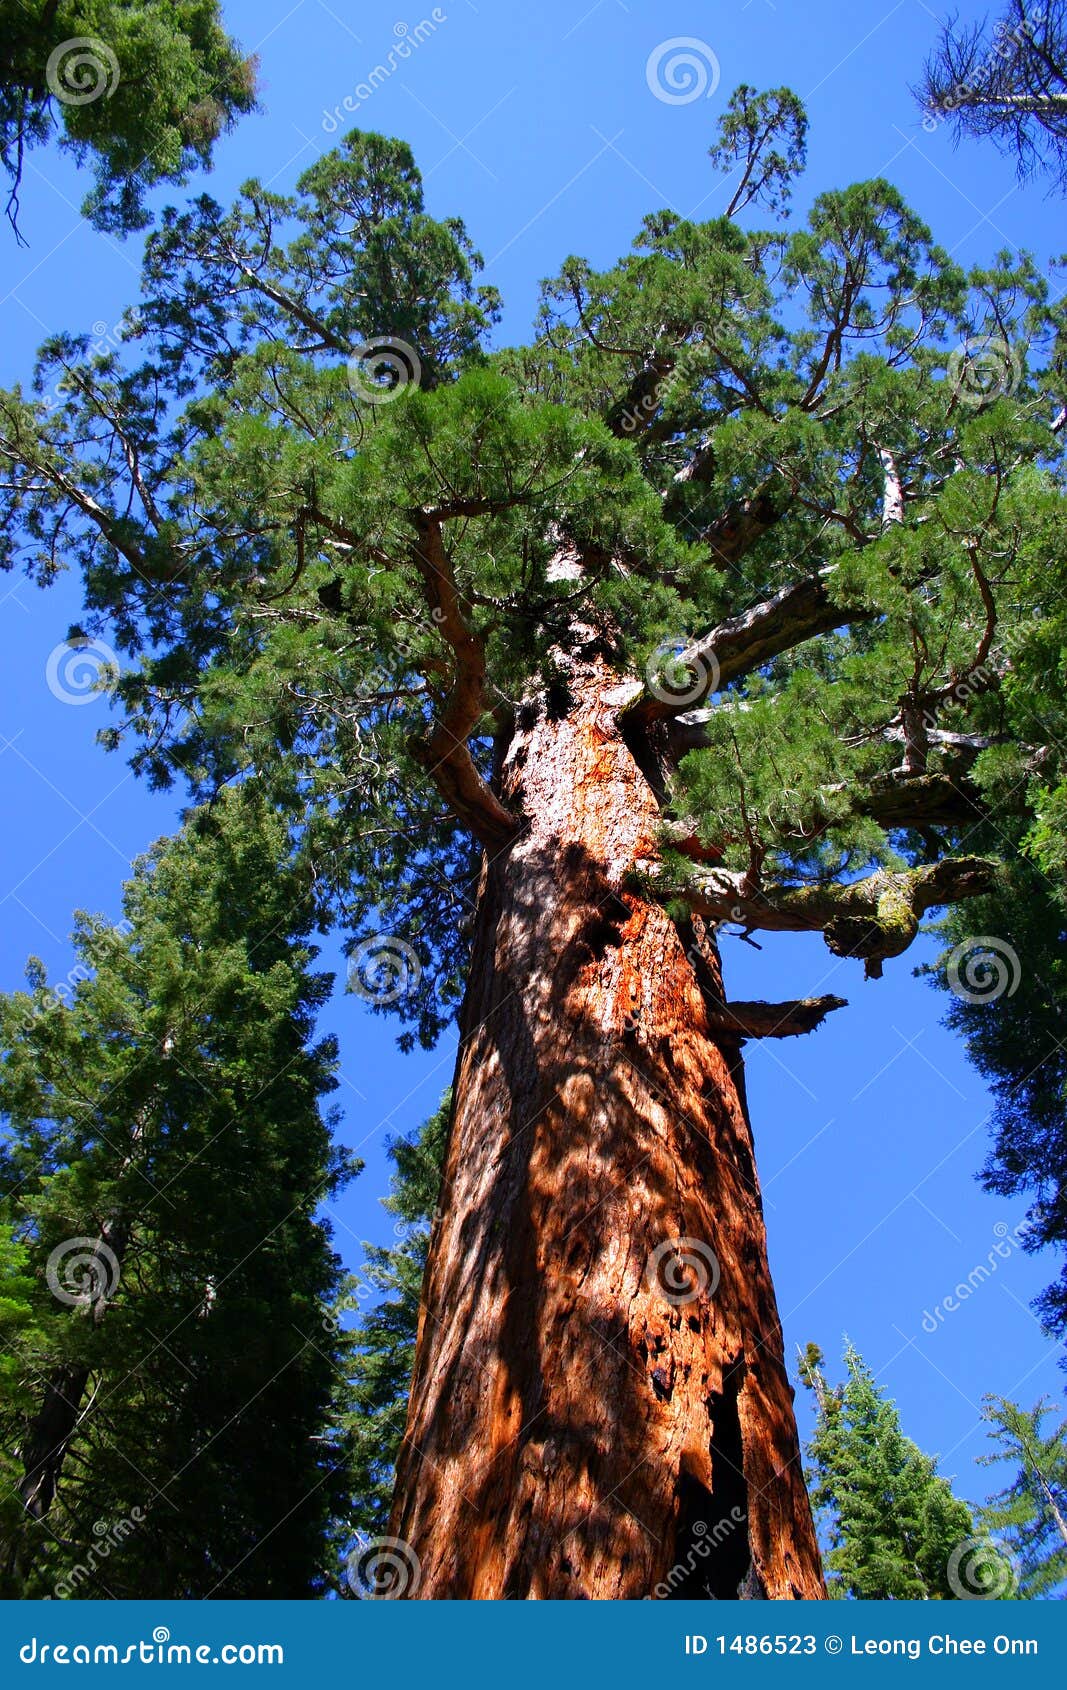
(537, 126)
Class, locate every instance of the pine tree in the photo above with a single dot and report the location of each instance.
(140, 90)
(1007, 82)
(567, 661)
(895, 1530)
(169, 1404)
(381, 1347)
(1031, 1512)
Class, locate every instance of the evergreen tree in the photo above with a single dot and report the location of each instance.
(696, 613)
(142, 90)
(1031, 1512)
(169, 1401)
(892, 1523)
(1007, 81)
(381, 1348)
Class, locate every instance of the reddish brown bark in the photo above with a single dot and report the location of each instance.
(590, 1409)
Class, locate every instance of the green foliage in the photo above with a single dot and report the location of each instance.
(891, 1522)
(1030, 1513)
(164, 1130)
(142, 91)
(320, 451)
(267, 565)
(380, 1349)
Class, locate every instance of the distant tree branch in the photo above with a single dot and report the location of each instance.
(1007, 83)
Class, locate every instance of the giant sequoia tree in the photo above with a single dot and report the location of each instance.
(690, 616)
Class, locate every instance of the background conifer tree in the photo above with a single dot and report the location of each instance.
(891, 1521)
(140, 91)
(1030, 1513)
(167, 1401)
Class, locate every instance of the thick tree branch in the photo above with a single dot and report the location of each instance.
(773, 1020)
(739, 527)
(874, 918)
(927, 800)
(790, 616)
(444, 752)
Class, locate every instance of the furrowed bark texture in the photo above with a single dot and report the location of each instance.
(600, 1406)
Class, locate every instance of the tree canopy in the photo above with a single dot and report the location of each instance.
(1030, 1512)
(806, 484)
(140, 91)
(1006, 81)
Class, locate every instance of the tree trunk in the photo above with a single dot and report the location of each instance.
(600, 1406)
